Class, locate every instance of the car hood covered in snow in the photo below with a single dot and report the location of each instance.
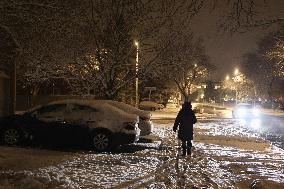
(127, 108)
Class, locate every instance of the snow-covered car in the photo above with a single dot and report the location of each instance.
(149, 105)
(71, 122)
(145, 124)
(245, 110)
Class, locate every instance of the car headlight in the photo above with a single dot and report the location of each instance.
(241, 112)
(255, 112)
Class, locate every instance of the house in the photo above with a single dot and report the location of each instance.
(9, 51)
(5, 97)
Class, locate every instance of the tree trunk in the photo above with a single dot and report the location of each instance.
(110, 96)
(13, 86)
(269, 92)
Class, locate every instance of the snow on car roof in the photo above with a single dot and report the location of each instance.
(126, 107)
(106, 108)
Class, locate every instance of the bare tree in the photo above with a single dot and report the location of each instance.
(243, 87)
(49, 33)
(276, 55)
(115, 25)
(243, 15)
(184, 62)
(265, 65)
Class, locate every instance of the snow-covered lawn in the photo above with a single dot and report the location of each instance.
(226, 154)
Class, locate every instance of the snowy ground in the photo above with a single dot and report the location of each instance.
(227, 154)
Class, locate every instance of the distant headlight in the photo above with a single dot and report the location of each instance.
(255, 123)
(241, 112)
(255, 112)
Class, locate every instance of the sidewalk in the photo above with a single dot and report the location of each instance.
(226, 155)
(171, 113)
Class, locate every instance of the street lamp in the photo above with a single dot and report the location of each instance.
(236, 71)
(136, 73)
(227, 77)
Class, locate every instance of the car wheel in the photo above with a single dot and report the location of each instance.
(101, 141)
(12, 136)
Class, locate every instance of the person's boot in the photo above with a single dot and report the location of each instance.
(189, 147)
(184, 151)
(188, 151)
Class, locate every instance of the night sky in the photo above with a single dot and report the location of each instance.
(225, 49)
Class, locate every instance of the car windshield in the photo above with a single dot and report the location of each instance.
(46, 108)
(77, 107)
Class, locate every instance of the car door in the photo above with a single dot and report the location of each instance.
(50, 129)
(78, 120)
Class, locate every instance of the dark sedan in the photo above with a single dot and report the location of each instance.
(75, 123)
(40, 129)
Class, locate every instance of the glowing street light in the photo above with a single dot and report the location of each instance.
(195, 65)
(136, 43)
(236, 71)
(136, 73)
(227, 77)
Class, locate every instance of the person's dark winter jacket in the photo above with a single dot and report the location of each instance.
(185, 120)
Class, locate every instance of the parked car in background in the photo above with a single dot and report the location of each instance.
(71, 122)
(171, 105)
(145, 124)
(149, 105)
(245, 110)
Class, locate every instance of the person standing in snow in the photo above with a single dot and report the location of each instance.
(184, 124)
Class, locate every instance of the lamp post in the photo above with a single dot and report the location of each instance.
(236, 73)
(136, 73)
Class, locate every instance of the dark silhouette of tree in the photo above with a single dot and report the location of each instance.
(210, 92)
(265, 65)
(184, 61)
(244, 15)
(90, 43)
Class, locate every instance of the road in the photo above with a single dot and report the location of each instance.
(271, 127)
(268, 125)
